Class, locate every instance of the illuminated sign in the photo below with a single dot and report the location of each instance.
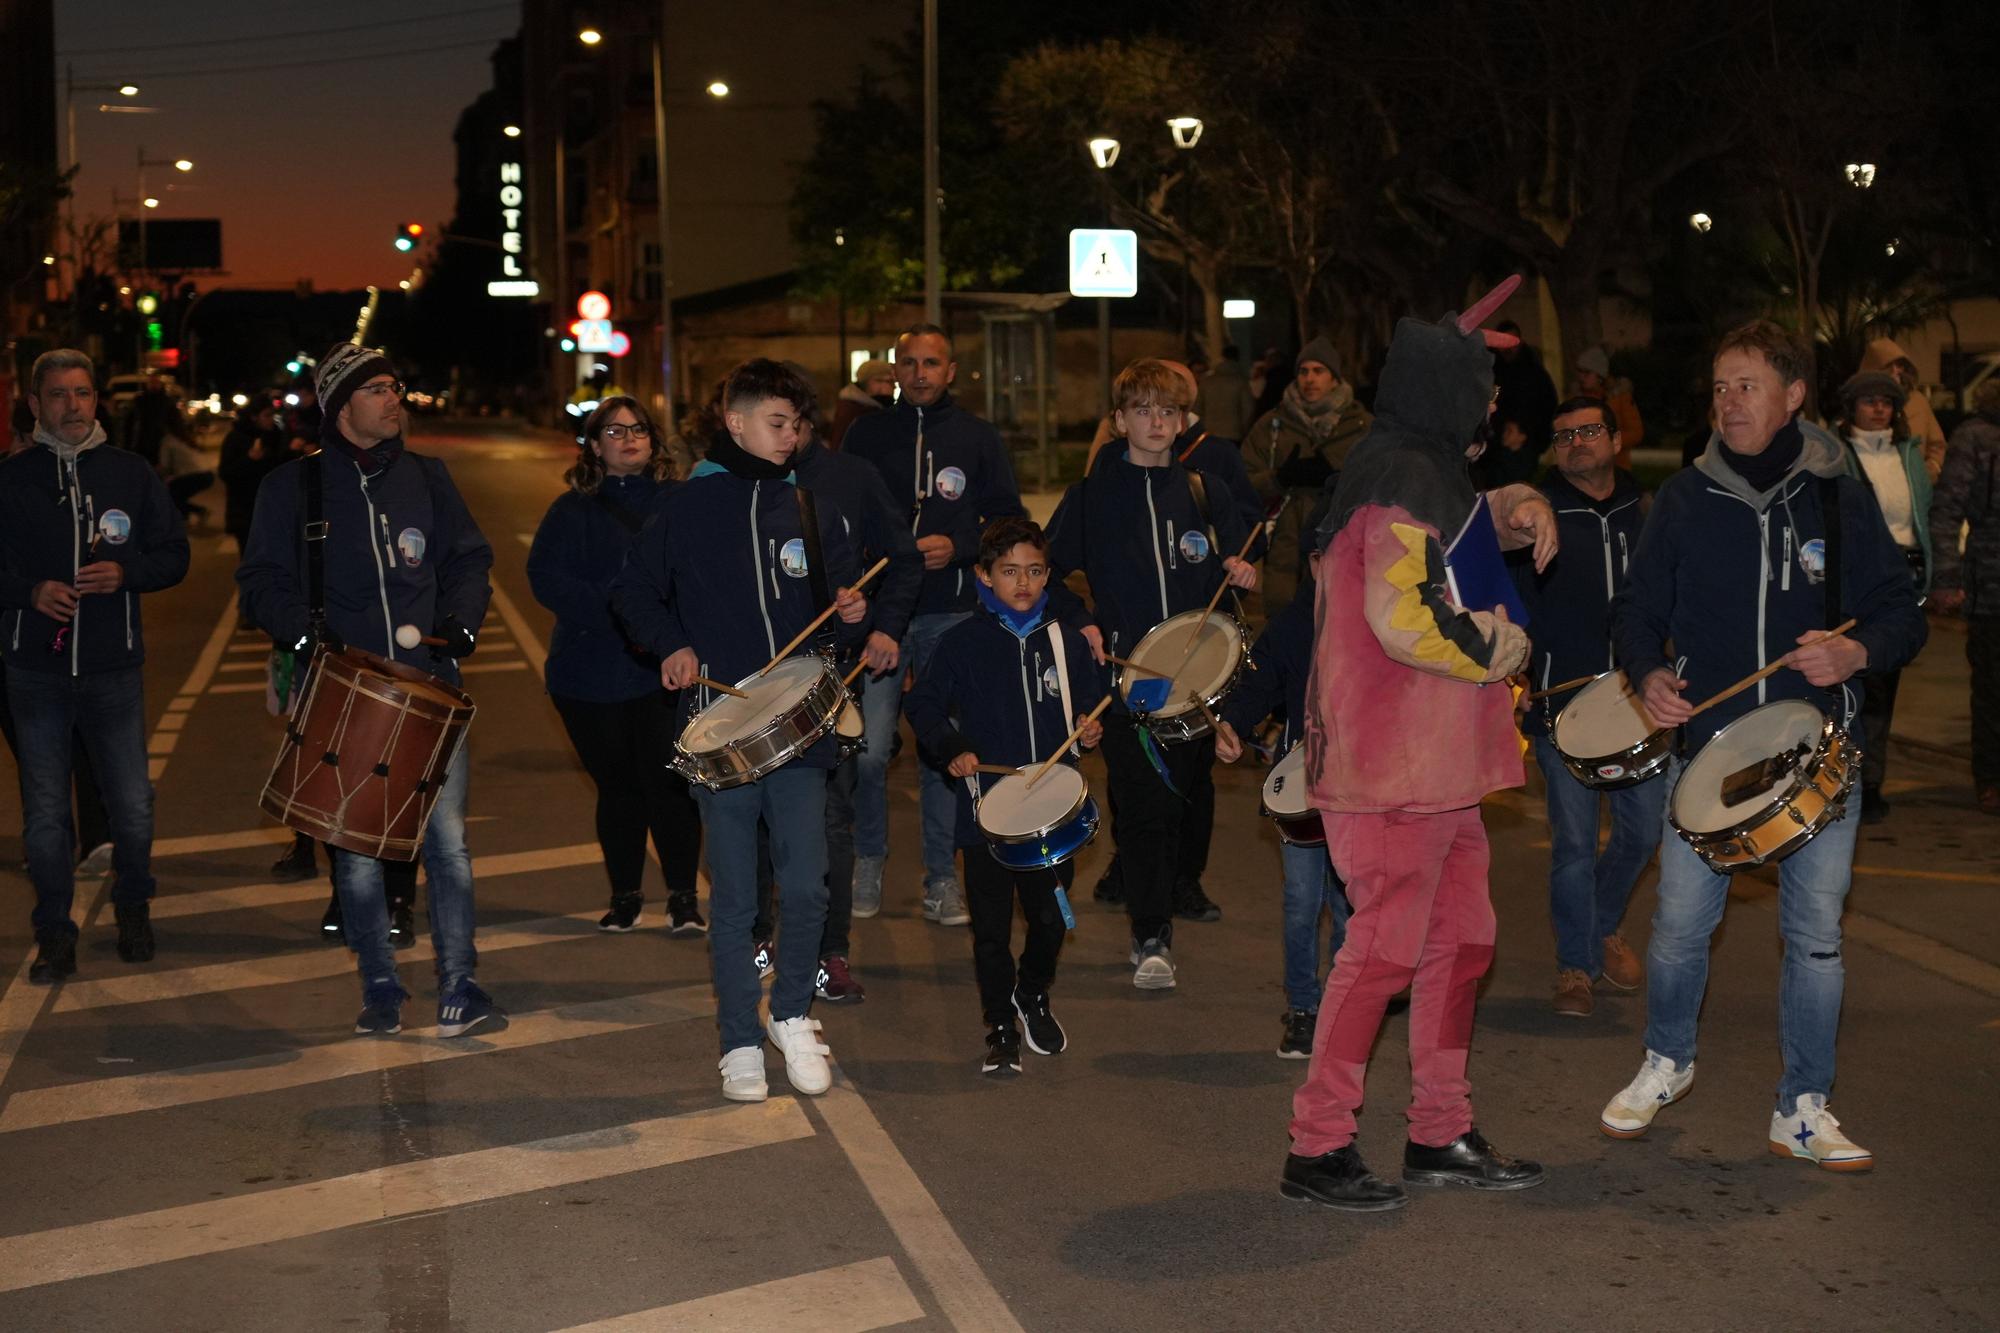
(511, 199)
(593, 305)
(513, 287)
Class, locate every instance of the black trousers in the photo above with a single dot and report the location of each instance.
(1878, 710)
(625, 747)
(990, 891)
(840, 781)
(1982, 650)
(1163, 832)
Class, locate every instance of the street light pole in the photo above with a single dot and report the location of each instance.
(933, 259)
(667, 358)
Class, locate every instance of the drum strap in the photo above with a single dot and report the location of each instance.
(815, 558)
(1829, 505)
(314, 532)
(1062, 671)
(1198, 489)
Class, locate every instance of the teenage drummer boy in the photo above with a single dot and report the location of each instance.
(1004, 687)
(721, 579)
(1150, 550)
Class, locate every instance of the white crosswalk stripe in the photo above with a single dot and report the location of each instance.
(853, 1298)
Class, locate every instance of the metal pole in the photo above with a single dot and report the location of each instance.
(660, 149)
(933, 258)
(1104, 353)
(559, 299)
(1041, 327)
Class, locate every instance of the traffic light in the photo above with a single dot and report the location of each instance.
(408, 235)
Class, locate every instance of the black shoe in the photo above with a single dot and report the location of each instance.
(684, 917)
(1045, 1035)
(1339, 1179)
(1468, 1160)
(402, 926)
(1874, 809)
(1297, 1043)
(1003, 1051)
(135, 932)
(1191, 904)
(330, 928)
(1110, 885)
(297, 864)
(624, 914)
(54, 961)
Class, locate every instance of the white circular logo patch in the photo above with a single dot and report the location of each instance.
(1812, 559)
(792, 557)
(951, 483)
(412, 544)
(1194, 546)
(1052, 680)
(115, 526)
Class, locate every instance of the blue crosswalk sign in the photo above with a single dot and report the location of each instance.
(1103, 261)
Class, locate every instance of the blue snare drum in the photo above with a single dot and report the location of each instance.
(1035, 828)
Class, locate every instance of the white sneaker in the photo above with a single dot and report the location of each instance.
(1152, 966)
(944, 903)
(97, 864)
(805, 1055)
(743, 1075)
(1659, 1084)
(1811, 1133)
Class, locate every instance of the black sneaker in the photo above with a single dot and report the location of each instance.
(402, 926)
(1045, 1035)
(624, 914)
(1471, 1161)
(297, 864)
(1297, 1043)
(381, 1010)
(684, 917)
(54, 961)
(1191, 904)
(135, 932)
(1003, 1051)
(330, 928)
(1110, 885)
(1339, 1179)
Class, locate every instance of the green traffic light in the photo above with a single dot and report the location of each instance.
(155, 335)
(405, 244)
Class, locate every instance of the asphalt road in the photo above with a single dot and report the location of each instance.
(202, 1143)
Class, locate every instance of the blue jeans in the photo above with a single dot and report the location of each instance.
(881, 706)
(1311, 886)
(364, 910)
(792, 804)
(107, 710)
(1588, 890)
(1812, 889)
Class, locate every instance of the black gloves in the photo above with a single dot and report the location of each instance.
(1304, 472)
(458, 640)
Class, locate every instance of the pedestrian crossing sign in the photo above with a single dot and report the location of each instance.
(1103, 261)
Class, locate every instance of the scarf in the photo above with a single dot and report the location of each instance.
(1022, 623)
(372, 462)
(65, 451)
(1316, 419)
(1878, 441)
(726, 455)
(1765, 470)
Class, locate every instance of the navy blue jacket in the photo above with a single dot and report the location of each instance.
(577, 552)
(1219, 459)
(987, 691)
(1733, 577)
(721, 567)
(49, 514)
(957, 483)
(401, 549)
(1569, 603)
(1138, 537)
(875, 526)
(1282, 656)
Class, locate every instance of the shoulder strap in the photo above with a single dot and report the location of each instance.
(1061, 655)
(313, 512)
(1198, 488)
(624, 517)
(815, 560)
(1830, 509)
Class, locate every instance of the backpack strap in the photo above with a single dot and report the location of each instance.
(1829, 497)
(313, 532)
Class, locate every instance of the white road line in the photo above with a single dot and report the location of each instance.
(180, 703)
(948, 1268)
(171, 722)
(531, 644)
(22, 1003)
(198, 843)
(245, 897)
(70, 1102)
(164, 739)
(251, 664)
(238, 687)
(211, 653)
(475, 668)
(155, 769)
(217, 1226)
(525, 538)
(853, 1298)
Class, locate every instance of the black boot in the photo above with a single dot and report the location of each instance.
(55, 960)
(296, 864)
(1471, 1161)
(1339, 1179)
(135, 932)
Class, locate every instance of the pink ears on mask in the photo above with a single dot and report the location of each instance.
(1485, 306)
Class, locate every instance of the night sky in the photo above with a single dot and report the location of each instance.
(311, 167)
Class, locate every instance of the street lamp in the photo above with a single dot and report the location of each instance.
(1104, 152)
(1860, 175)
(589, 36)
(511, 131)
(718, 90)
(180, 164)
(1701, 222)
(1187, 131)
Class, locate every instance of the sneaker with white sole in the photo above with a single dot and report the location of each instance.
(1152, 965)
(1809, 1132)
(944, 902)
(1659, 1084)
(805, 1054)
(743, 1075)
(867, 884)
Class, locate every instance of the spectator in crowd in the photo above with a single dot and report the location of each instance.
(1269, 379)
(1967, 581)
(253, 447)
(873, 390)
(1594, 380)
(1225, 401)
(1293, 450)
(1886, 354)
(1522, 419)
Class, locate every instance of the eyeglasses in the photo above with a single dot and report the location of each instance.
(393, 389)
(1578, 434)
(618, 434)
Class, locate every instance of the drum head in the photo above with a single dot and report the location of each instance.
(1011, 809)
(730, 719)
(1605, 718)
(1217, 656)
(849, 724)
(1753, 738)
(1285, 789)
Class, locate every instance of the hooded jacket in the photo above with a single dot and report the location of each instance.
(873, 526)
(1569, 603)
(1734, 576)
(51, 510)
(1883, 353)
(947, 471)
(401, 549)
(577, 552)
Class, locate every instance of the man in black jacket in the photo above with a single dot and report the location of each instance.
(84, 530)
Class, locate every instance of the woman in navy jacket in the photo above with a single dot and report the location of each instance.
(607, 690)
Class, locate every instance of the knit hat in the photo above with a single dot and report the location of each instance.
(873, 370)
(1595, 360)
(1320, 350)
(343, 369)
(1872, 384)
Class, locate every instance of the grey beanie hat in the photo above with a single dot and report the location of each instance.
(1595, 360)
(1872, 384)
(1320, 350)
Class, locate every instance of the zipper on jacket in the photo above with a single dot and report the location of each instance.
(1152, 518)
(1763, 589)
(76, 516)
(771, 568)
(1786, 584)
(1027, 700)
(128, 620)
(763, 608)
(381, 577)
(917, 472)
(1624, 556)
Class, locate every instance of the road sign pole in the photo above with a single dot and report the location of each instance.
(1104, 351)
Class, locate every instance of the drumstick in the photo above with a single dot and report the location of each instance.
(1001, 769)
(1194, 636)
(820, 619)
(1214, 723)
(1069, 740)
(848, 679)
(1756, 676)
(1558, 689)
(719, 687)
(1134, 666)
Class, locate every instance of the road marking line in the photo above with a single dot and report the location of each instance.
(195, 844)
(155, 769)
(304, 965)
(1927, 953)
(171, 722)
(211, 653)
(217, 1226)
(238, 687)
(256, 664)
(854, 1298)
(247, 648)
(948, 1268)
(524, 635)
(1942, 876)
(22, 1003)
(180, 703)
(246, 897)
(474, 668)
(164, 740)
(294, 1068)
(525, 538)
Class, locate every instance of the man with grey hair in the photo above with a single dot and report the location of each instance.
(71, 574)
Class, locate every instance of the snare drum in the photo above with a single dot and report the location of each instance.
(1221, 648)
(366, 753)
(848, 731)
(1035, 828)
(1606, 737)
(734, 741)
(1285, 803)
(1764, 786)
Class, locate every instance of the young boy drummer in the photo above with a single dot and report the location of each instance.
(1004, 688)
(1151, 547)
(721, 579)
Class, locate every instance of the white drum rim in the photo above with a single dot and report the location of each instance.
(1072, 779)
(1234, 636)
(1585, 693)
(814, 670)
(1751, 813)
